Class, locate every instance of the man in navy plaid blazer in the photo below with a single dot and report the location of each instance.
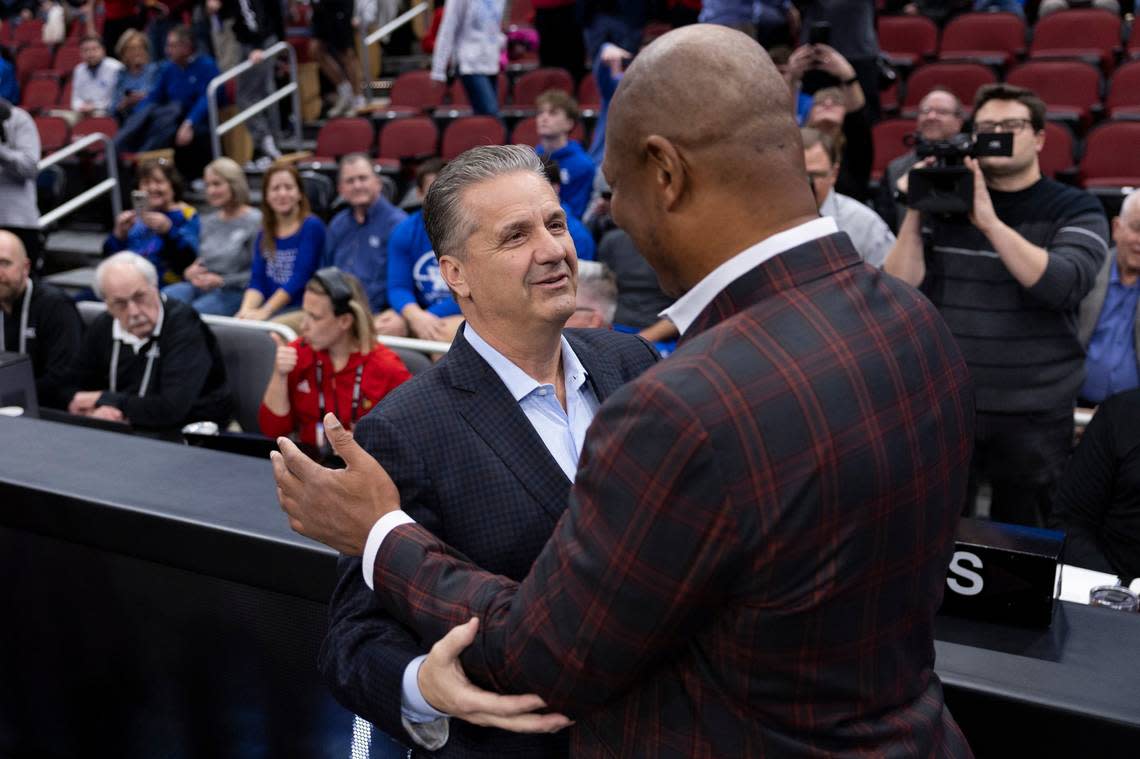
(759, 530)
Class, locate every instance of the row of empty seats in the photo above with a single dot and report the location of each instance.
(418, 137)
(1000, 39)
(1073, 91)
(416, 93)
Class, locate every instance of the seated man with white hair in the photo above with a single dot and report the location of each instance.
(149, 361)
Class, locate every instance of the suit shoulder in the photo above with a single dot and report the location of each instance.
(623, 347)
(425, 393)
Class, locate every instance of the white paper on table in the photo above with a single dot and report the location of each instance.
(1074, 583)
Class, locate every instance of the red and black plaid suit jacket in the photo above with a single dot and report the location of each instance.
(757, 538)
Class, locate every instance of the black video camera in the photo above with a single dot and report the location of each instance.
(947, 187)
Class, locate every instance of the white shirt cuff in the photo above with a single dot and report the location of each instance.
(376, 535)
(413, 706)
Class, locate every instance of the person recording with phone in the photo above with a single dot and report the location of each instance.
(1008, 277)
(336, 365)
(838, 109)
(159, 227)
(19, 159)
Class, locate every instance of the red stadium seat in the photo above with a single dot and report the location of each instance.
(1123, 101)
(891, 139)
(589, 99)
(339, 137)
(458, 105)
(66, 59)
(1070, 89)
(39, 95)
(65, 95)
(994, 39)
(1089, 34)
(414, 93)
(1111, 158)
(29, 61)
(29, 32)
(463, 134)
(526, 132)
(533, 83)
(1133, 49)
(889, 98)
(962, 79)
(404, 139)
(1057, 155)
(91, 125)
(54, 133)
(908, 40)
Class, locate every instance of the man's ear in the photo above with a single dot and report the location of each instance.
(454, 274)
(670, 175)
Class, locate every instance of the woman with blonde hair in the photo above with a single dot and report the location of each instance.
(216, 281)
(138, 75)
(336, 365)
(288, 247)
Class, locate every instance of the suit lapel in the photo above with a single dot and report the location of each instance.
(794, 267)
(496, 418)
(602, 369)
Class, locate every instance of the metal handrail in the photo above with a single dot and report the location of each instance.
(217, 130)
(367, 40)
(413, 344)
(110, 184)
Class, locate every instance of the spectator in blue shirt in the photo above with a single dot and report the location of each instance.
(557, 115)
(176, 109)
(9, 86)
(584, 244)
(416, 290)
(358, 235)
(1109, 314)
(287, 251)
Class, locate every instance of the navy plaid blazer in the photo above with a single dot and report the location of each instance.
(471, 468)
(757, 538)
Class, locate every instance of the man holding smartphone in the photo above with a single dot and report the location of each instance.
(848, 26)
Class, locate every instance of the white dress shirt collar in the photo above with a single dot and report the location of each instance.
(519, 383)
(690, 305)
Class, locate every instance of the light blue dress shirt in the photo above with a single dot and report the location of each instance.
(1110, 366)
(562, 431)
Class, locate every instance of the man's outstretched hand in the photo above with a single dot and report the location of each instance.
(445, 686)
(338, 507)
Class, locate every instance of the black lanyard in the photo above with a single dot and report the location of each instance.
(321, 394)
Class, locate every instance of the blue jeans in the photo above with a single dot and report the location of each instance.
(223, 301)
(150, 127)
(482, 94)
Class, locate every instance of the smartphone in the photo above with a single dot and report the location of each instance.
(819, 33)
(138, 201)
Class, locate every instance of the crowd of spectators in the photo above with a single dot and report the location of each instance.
(1044, 311)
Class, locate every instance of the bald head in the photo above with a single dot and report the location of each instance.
(707, 88)
(703, 153)
(14, 268)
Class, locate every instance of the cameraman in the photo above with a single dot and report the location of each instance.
(19, 159)
(1008, 279)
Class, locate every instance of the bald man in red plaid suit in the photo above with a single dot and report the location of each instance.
(758, 535)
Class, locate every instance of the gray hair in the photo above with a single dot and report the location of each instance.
(124, 259)
(598, 283)
(232, 174)
(448, 226)
(1129, 204)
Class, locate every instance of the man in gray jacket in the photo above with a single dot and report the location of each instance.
(1109, 313)
(19, 156)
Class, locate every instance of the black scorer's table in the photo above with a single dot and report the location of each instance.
(168, 558)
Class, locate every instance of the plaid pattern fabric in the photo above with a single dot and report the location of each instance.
(471, 468)
(757, 538)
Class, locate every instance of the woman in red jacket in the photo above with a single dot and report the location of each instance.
(336, 365)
